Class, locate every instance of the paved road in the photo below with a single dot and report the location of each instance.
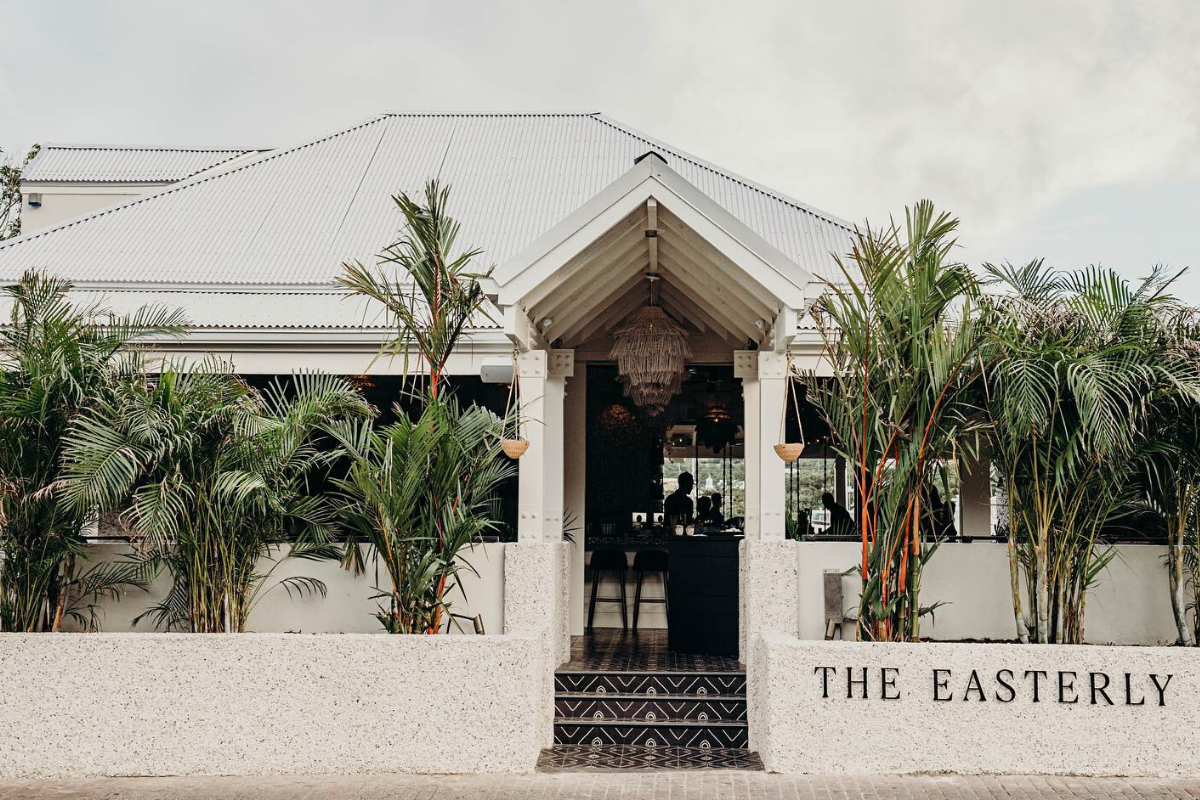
(601, 786)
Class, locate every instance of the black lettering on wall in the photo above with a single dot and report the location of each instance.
(973, 685)
(1037, 674)
(940, 683)
(851, 683)
(825, 679)
(886, 683)
(1162, 688)
(1098, 688)
(1129, 692)
(1064, 687)
(1000, 679)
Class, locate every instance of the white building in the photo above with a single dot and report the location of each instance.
(573, 210)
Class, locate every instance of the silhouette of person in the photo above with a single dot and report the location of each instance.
(704, 510)
(840, 521)
(718, 516)
(678, 505)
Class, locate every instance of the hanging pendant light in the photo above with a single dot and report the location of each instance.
(651, 352)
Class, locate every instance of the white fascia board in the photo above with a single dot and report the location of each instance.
(304, 337)
(76, 187)
(710, 214)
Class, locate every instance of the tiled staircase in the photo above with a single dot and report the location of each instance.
(650, 719)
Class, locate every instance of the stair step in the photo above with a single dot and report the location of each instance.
(651, 708)
(704, 684)
(676, 733)
(620, 758)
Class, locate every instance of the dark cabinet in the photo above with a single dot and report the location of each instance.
(704, 594)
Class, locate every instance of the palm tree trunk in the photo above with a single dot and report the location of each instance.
(64, 591)
(1014, 577)
(1175, 571)
(1044, 594)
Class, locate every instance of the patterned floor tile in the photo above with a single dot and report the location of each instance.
(716, 735)
(617, 650)
(621, 758)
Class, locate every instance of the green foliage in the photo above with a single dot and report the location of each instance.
(214, 478)
(902, 338)
(1075, 364)
(10, 193)
(59, 362)
(434, 295)
(1169, 478)
(420, 491)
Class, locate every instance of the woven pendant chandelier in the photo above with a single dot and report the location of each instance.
(651, 352)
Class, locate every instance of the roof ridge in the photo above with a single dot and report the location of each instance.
(196, 180)
(493, 113)
(711, 167)
(157, 148)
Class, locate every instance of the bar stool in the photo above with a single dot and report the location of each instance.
(650, 561)
(608, 561)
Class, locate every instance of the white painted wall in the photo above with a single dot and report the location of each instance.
(248, 704)
(61, 203)
(1131, 604)
(348, 607)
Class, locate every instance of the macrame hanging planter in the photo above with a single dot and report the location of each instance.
(651, 352)
(789, 452)
(514, 447)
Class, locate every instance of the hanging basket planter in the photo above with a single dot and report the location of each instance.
(514, 447)
(789, 452)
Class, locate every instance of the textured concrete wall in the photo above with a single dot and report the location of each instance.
(989, 729)
(767, 587)
(537, 602)
(168, 704)
(1130, 605)
(348, 606)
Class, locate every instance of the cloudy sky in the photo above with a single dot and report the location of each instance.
(1068, 130)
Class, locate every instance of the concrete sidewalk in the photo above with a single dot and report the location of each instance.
(600, 786)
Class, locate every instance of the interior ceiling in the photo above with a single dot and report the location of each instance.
(605, 283)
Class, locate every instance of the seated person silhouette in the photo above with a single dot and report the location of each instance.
(718, 516)
(678, 505)
(704, 510)
(840, 521)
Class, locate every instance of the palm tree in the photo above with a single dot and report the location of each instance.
(419, 490)
(1075, 362)
(901, 335)
(215, 478)
(59, 361)
(1170, 479)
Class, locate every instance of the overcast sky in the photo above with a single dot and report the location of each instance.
(1068, 130)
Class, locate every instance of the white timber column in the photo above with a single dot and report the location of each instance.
(543, 375)
(768, 568)
(975, 496)
(537, 567)
(764, 385)
(575, 484)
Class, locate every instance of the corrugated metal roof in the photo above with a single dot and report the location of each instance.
(253, 309)
(87, 163)
(293, 216)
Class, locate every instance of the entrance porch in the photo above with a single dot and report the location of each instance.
(583, 480)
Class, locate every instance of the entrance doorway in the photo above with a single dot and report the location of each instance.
(665, 509)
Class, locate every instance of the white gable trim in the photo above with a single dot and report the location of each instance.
(651, 179)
